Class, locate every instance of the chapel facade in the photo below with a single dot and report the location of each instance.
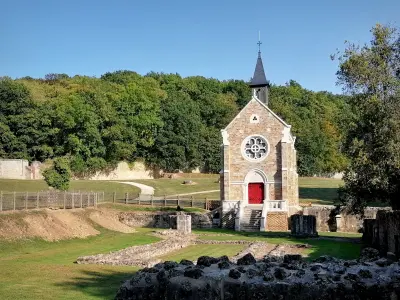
(259, 181)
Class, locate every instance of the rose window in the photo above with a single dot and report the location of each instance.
(255, 148)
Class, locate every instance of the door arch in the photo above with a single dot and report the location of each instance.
(255, 187)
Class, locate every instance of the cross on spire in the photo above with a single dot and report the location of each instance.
(259, 44)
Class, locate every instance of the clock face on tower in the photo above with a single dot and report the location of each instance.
(255, 148)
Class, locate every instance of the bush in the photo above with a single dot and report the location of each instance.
(59, 175)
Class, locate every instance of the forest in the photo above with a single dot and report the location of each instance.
(167, 121)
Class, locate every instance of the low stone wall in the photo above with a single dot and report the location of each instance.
(125, 171)
(163, 220)
(329, 218)
(143, 255)
(15, 169)
(287, 277)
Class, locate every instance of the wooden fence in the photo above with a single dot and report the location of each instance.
(62, 200)
(49, 199)
(164, 201)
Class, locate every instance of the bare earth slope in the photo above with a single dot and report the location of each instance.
(109, 219)
(54, 225)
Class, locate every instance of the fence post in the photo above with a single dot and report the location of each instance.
(14, 201)
(139, 199)
(126, 198)
(114, 196)
(1, 201)
(206, 203)
(73, 204)
(191, 201)
(26, 200)
(65, 198)
(165, 200)
(37, 199)
(103, 197)
(88, 199)
(96, 199)
(81, 199)
(178, 200)
(151, 199)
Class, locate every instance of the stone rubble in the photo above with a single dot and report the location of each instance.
(287, 277)
(144, 255)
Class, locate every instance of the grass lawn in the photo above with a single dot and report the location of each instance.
(346, 249)
(15, 185)
(203, 196)
(318, 190)
(35, 269)
(166, 186)
(311, 189)
(195, 251)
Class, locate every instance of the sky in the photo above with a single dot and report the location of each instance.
(210, 38)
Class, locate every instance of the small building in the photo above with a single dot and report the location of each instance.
(259, 180)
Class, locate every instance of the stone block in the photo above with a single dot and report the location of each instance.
(303, 226)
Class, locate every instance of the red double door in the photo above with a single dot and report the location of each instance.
(256, 193)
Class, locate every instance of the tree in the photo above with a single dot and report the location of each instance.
(176, 142)
(58, 176)
(371, 75)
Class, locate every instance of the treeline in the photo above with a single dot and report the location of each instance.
(171, 123)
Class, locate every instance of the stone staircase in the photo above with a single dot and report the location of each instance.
(250, 220)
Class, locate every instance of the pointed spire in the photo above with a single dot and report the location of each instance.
(259, 78)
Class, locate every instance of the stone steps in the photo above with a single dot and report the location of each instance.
(251, 220)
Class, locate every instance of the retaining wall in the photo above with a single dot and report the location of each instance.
(163, 220)
(328, 218)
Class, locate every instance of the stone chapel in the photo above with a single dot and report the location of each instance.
(259, 181)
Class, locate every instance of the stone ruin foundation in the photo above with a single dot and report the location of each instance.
(287, 277)
(303, 226)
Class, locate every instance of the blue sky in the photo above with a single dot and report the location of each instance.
(210, 38)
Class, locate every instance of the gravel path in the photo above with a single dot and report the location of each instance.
(144, 189)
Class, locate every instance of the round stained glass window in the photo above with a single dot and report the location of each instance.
(255, 148)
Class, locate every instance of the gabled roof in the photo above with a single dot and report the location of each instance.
(263, 105)
(259, 78)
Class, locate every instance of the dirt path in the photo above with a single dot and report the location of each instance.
(193, 193)
(144, 189)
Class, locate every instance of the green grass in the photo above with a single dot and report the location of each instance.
(348, 248)
(203, 196)
(311, 189)
(166, 186)
(15, 185)
(36, 269)
(195, 251)
(132, 207)
(341, 234)
(318, 190)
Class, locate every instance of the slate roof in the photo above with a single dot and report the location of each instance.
(259, 78)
